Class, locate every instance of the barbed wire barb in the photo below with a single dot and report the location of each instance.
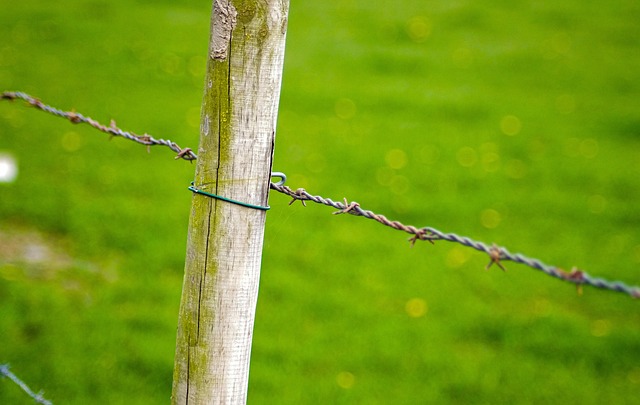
(5, 372)
(112, 129)
(497, 254)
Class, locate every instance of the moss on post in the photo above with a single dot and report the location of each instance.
(224, 246)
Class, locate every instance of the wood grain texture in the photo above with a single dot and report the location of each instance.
(224, 248)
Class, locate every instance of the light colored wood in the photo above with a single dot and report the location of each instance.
(224, 247)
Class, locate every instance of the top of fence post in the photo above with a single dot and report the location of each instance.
(224, 247)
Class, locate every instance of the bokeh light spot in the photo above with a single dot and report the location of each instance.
(600, 328)
(399, 185)
(457, 257)
(572, 147)
(467, 156)
(385, 175)
(596, 204)
(396, 159)
(416, 307)
(589, 148)
(541, 307)
(490, 162)
(14, 117)
(418, 29)
(172, 64)
(71, 141)
(516, 169)
(345, 379)
(558, 45)
(197, 66)
(8, 168)
(510, 125)
(345, 108)
(490, 218)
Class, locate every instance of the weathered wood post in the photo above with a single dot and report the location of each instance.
(224, 247)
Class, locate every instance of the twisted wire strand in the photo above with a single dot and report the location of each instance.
(497, 254)
(5, 372)
(112, 129)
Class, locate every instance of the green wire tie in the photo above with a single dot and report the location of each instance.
(219, 197)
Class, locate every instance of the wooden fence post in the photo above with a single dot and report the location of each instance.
(224, 247)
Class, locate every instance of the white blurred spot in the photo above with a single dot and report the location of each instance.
(8, 168)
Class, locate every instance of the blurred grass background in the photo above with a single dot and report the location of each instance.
(510, 122)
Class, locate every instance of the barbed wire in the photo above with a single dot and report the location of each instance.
(112, 129)
(5, 372)
(497, 254)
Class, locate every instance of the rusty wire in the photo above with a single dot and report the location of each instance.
(112, 129)
(497, 254)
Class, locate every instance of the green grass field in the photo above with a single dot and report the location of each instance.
(510, 122)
